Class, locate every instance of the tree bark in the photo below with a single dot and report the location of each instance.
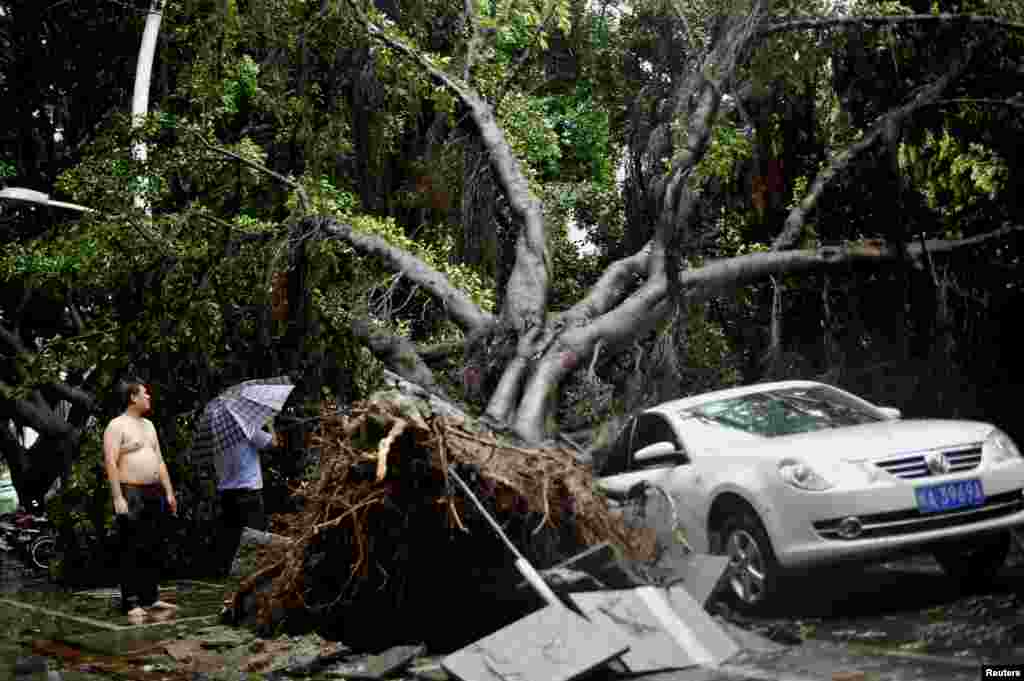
(461, 307)
(143, 76)
(527, 289)
(818, 23)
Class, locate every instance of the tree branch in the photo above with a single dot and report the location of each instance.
(37, 415)
(13, 340)
(1013, 102)
(469, 16)
(398, 353)
(528, 284)
(610, 288)
(76, 317)
(798, 215)
(75, 396)
(299, 191)
(818, 23)
(464, 311)
(709, 279)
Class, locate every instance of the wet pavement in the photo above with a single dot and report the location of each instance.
(900, 622)
(908, 608)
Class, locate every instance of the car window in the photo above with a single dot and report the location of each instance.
(788, 411)
(652, 428)
(618, 456)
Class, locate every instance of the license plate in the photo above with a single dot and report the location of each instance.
(949, 495)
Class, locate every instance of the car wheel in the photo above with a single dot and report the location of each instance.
(42, 551)
(974, 561)
(753, 576)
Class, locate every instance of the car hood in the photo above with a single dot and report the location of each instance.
(852, 443)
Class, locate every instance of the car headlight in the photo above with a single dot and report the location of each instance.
(1000, 447)
(800, 475)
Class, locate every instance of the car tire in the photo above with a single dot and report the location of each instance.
(974, 561)
(753, 579)
(43, 551)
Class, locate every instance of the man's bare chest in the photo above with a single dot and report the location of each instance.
(134, 437)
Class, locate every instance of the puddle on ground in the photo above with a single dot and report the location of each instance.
(84, 635)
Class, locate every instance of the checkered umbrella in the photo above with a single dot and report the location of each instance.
(237, 413)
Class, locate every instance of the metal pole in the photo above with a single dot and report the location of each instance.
(523, 565)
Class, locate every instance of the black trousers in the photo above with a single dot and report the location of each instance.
(239, 508)
(141, 542)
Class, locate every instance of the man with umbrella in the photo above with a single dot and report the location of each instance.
(230, 430)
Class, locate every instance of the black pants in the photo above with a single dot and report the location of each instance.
(239, 508)
(140, 536)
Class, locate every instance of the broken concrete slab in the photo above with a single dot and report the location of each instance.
(667, 629)
(651, 646)
(552, 644)
(701, 627)
(701, 574)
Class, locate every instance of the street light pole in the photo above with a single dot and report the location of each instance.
(39, 198)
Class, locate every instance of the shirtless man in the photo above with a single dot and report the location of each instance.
(142, 493)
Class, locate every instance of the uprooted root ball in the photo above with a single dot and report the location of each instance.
(388, 549)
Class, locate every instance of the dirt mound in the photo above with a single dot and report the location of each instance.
(388, 550)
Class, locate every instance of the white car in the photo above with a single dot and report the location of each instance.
(798, 474)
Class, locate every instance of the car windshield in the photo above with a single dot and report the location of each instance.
(788, 411)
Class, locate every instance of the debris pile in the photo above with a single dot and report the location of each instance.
(387, 550)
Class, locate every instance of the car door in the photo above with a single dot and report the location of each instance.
(672, 472)
(669, 470)
(622, 470)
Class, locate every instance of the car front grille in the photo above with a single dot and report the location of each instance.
(911, 521)
(913, 465)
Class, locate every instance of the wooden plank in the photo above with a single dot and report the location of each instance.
(651, 646)
(552, 644)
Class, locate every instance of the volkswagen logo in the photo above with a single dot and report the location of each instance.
(937, 463)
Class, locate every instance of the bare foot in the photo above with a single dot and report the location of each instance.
(162, 605)
(161, 615)
(136, 615)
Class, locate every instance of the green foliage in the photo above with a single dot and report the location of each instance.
(584, 133)
(326, 199)
(727, 148)
(954, 177)
(518, 24)
(531, 133)
(708, 358)
(733, 235)
(242, 86)
(8, 169)
(437, 255)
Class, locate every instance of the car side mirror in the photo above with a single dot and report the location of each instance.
(655, 451)
(890, 413)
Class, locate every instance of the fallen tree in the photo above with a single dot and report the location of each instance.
(386, 547)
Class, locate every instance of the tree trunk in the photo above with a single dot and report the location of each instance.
(140, 96)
